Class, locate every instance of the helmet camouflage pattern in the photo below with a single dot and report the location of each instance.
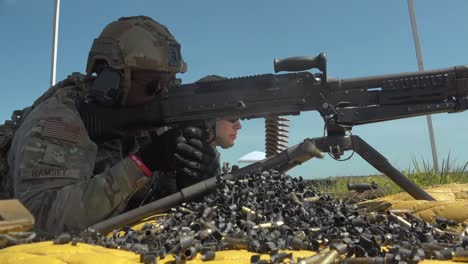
(136, 43)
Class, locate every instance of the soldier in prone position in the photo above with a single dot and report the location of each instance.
(67, 180)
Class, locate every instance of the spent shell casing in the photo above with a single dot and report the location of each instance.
(62, 239)
(207, 212)
(235, 243)
(268, 225)
(363, 260)
(207, 225)
(329, 257)
(185, 210)
(204, 234)
(190, 253)
(312, 199)
(247, 210)
(311, 260)
(400, 220)
(208, 255)
(297, 243)
(294, 198)
(185, 242)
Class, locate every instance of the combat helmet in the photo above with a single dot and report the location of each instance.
(133, 43)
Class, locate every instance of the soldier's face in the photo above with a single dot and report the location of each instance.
(227, 132)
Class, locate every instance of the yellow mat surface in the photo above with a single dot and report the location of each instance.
(452, 203)
(47, 253)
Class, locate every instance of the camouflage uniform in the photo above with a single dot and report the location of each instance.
(65, 179)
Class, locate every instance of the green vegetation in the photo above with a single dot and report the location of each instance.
(422, 173)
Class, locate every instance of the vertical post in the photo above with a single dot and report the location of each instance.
(53, 66)
(421, 68)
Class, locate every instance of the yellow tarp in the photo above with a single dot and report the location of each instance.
(451, 203)
(47, 253)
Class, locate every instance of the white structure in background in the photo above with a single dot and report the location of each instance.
(419, 58)
(253, 156)
(53, 63)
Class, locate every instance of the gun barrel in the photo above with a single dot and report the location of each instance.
(403, 80)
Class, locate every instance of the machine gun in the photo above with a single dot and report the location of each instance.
(342, 103)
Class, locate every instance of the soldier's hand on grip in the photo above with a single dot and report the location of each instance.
(184, 151)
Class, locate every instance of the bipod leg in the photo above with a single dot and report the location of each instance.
(374, 158)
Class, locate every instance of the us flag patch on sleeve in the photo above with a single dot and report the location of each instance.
(59, 130)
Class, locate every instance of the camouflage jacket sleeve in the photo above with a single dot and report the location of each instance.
(52, 161)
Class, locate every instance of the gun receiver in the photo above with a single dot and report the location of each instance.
(343, 103)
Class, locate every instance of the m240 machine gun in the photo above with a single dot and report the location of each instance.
(343, 103)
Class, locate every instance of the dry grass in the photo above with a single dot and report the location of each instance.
(422, 173)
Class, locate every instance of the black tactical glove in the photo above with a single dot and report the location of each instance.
(207, 167)
(183, 151)
(197, 156)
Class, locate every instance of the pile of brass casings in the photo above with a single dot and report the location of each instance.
(267, 212)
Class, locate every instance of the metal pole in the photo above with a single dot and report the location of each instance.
(417, 45)
(53, 66)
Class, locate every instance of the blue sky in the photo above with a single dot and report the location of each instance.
(236, 38)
